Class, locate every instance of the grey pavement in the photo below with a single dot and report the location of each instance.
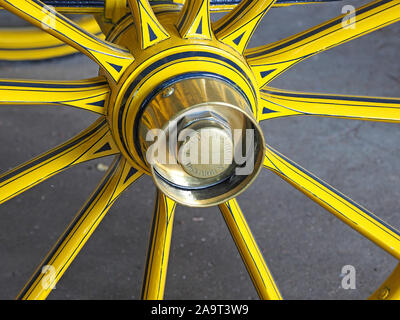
(305, 246)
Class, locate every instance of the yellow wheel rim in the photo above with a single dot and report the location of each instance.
(24, 44)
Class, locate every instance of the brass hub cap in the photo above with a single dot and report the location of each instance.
(218, 143)
(164, 85)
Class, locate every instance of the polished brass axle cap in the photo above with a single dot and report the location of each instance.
(201, 142)
(218, 155)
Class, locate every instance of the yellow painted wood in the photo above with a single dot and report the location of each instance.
(94, 142)
(159, 247)
(22, 44)
(119, 176)
(114, 10)
(214, 6)
(342, 207)
(288, 3)
(237, 27)
(219, 6)
(249, 251)
(269, 61)
(194, 20)
(149, 29)
(90, 94)
(277, 103)
(84, 9)
(113, 59)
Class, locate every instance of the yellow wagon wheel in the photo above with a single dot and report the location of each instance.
(166, 65)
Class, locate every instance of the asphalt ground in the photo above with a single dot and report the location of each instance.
(304, 245)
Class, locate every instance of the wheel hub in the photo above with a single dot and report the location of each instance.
(191, 125)
(201, 143)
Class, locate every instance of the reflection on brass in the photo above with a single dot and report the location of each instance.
(199, 120)
(218, 146)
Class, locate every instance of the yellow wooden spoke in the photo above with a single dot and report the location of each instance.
(119, 176)
(342, 207)
(91, 7)
(149, 29)
(237, 27)
(281, 103)
(112, 58)
(75, 7)
(249, 250)
(95, 142)
(226, 6)
(159, 246)
(90, 94)
(194, 20)
(267, 62)
(22, 44)
(287, 3)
